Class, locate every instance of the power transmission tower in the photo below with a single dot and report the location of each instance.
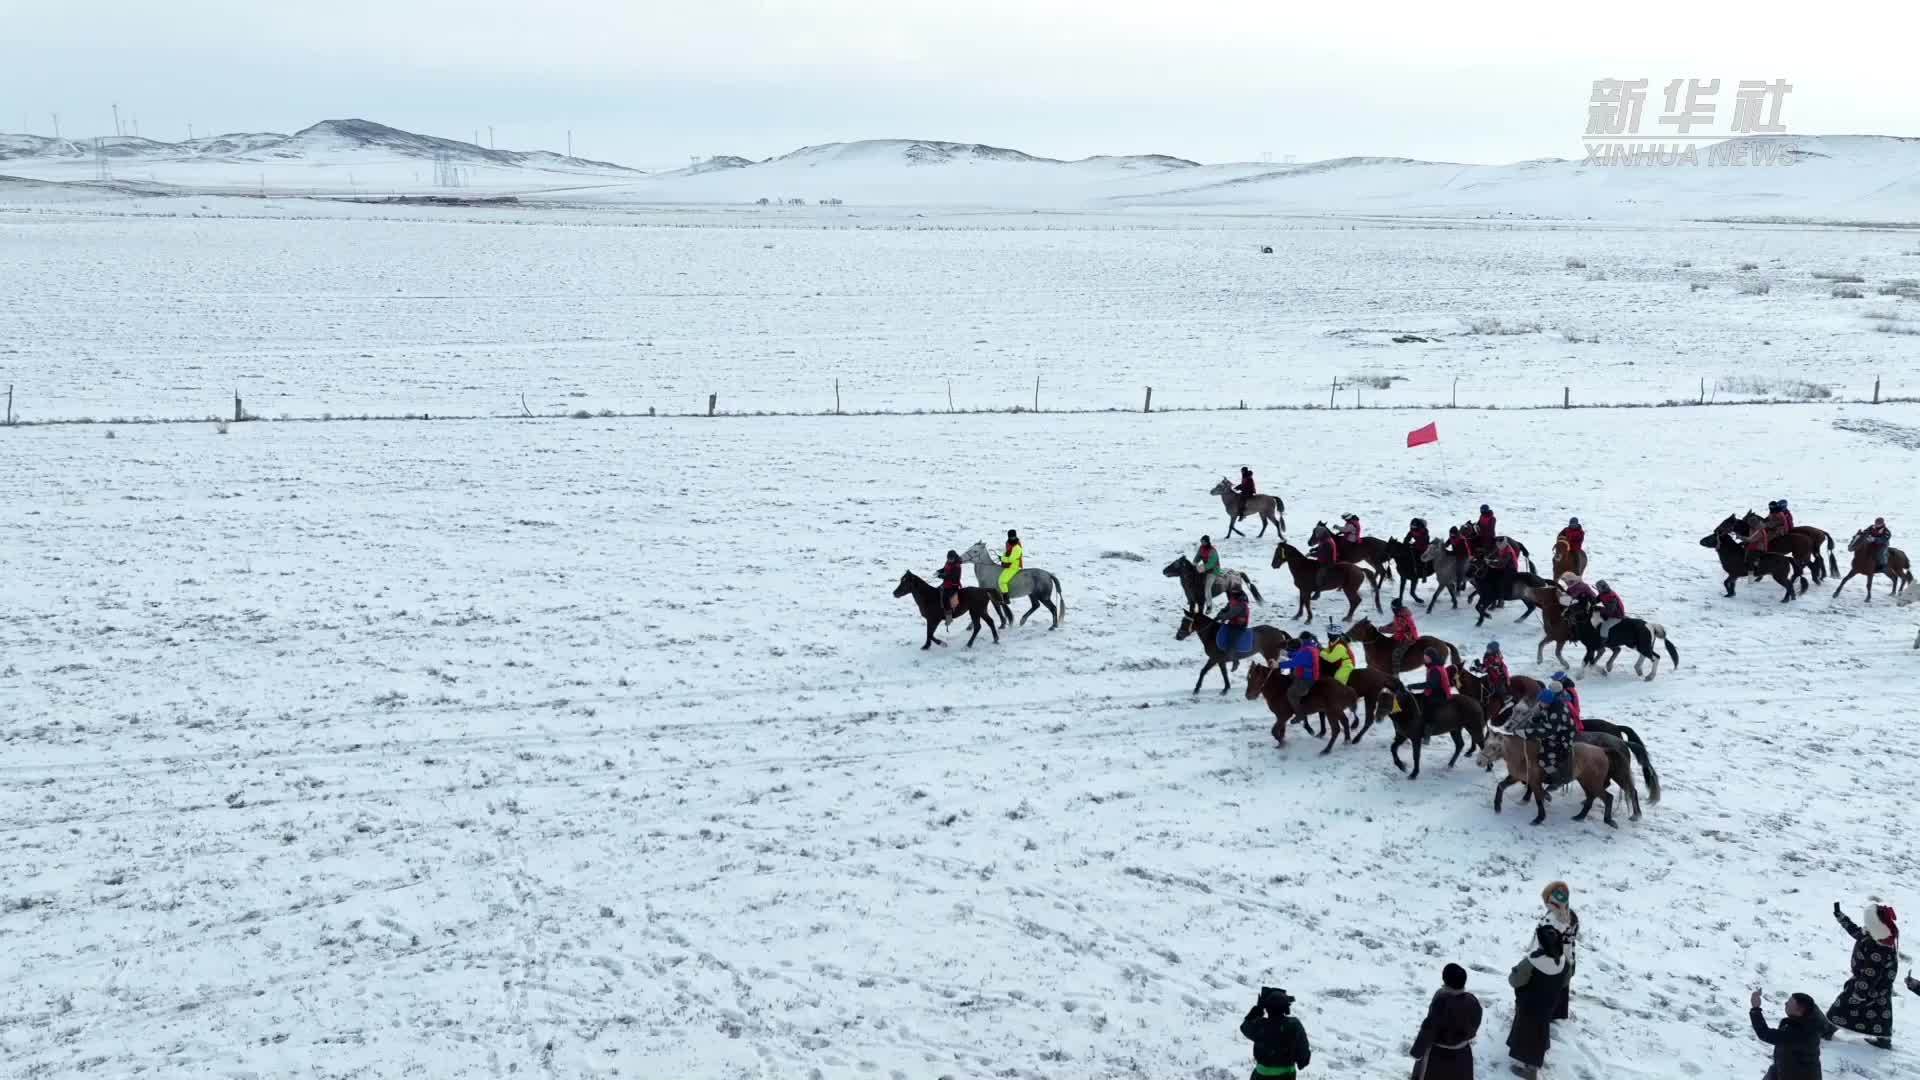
(116, 119)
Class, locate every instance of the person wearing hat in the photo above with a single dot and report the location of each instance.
(1866, 1004)
(1337, 657)
(1612, 608)
(1877, 537)
(1796, 1042)
(1564, 685)
(1207, 558)
(1493, 667)
(1443, 1050)
(1418, 537)
(950, 582)
(1782, 518)
(1564, 920)
(1350, 528)
(1549, 724)
(1304, 665)
(1234, 620)
(1536, 983)
(1246, 490)
(1437, 688)
(1280, 1048)
(1403, 634)
(1012, 561)
(1459, 546)
(1574, 536)
(1486, 528)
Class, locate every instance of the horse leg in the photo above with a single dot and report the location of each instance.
(1586, 807)
(1394, 750)
(1370, 709)
(1226, 684)
(1606, 808)
(1459, 747)
(1230, 529)
(1538, 788)
(1500, 790)
(1333, 727)
(932, 622)
(1729, 583)
(1203, 673)
(1870, 578)
(1033, 605)
(1353, 602)
(1280, 731)
(1434, 599)
(1415, 774)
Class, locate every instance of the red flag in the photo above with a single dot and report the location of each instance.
(1423, 436)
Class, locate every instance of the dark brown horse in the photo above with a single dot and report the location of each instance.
(1370, 550)
(1459, 714)
(1268, 642)
(1413, 569)
(1311, 576)
(1818, 538)
(976, 603)
(1566, 560)
(1801, 547)
(1379, 648)
(1726, 543)
(1327, 697)
(1201, 587)
(1476, 686)
(1556, 622)
(1866, 564)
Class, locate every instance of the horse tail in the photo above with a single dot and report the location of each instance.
(1060, 591)
(1833, 564)
(1639, 750)
(1251, 587)
(1620, 767)
(1671, 651)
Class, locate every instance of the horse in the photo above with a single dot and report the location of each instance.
(1412, 567)
(1459, 713)
(1039, 586)
(1631, 740)
(1521, 587)
(1271, 510)
(1798, 546)
(1449, 573)
(1556, 622)
(1734, 555)
(1201, 587)
(1311, 576)
(977, 603)
(1595, 762)
(1898, 570)
(1566, 560)
(1327, 697)
(1268, 642)
(1641, 634)
(1819, 537)
(1379, 648)
(1474, 685)
(1368, 549)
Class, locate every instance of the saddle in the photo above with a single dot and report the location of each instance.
(1236, 643)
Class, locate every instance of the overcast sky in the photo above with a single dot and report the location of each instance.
(650, 83)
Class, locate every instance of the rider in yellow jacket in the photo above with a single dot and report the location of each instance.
(1013, 561)
(1338, 659)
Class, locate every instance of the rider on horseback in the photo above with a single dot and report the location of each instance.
(1878, 538)
(1245, 490)
(1338, 655)
(1781, 518)
(1417, 537)
(1326, 548)
(1012, 562)
(1493, 667)
(1576, 595)
(950, 583)
(1350, 529)
(1487, 526)
(1502, 566)
(1551, 725)
(1564, 683)
(1612, 609)
(1459, 546)
(1438, 688)
(1573, 536)
(1304, 666)
(1207, 559)
(1233, 621)
(1403, 633)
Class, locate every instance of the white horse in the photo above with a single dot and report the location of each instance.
(1037, 585)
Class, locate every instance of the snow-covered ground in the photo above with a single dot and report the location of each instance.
(600, 747)
(164, 307)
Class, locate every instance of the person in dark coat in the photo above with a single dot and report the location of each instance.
(1279, 1040)
(1536, 982)
(1558, 897)
(1796, 1042)
(1443, 1050)
(1866, 1005)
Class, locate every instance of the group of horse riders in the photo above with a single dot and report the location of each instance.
(1012, 560)
(1876, 537)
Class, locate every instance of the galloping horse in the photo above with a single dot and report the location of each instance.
(1641, 634)
(1556, 622)
(1379, 648)
(1460, 713)
(1039, 586)
(1370, 550)
(1596, 760)
(1327, 697)
(1566, 560)
(1898, 570)
(1311, 576)
(1268, 642)
(1268, 508)
(977, 603)
(1201, 587)
(1412, 567)
(1733, 559)
(1450, 575)
(1802, 548)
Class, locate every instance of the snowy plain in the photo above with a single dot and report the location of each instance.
(574, 747)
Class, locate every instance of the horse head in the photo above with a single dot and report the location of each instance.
(1177, 568)
(906, 584)
(1363, 631)
(1224, 487)
(1186, 627)
(1280, 553)
(977, 553)
(1257, 675)
(1494, 749)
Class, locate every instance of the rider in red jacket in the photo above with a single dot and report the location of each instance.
(1417, 537)
(950, 582)
(1574, 535)
(1488, 527)
(1459, 546)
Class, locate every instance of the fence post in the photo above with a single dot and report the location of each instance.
(712, 400)
(1703, 390)
(1036, 393)
(836, 397)
(949, 395)
(1566, 397)
(1456, 391)
(238, 414)
(1148, 407)
(1332, 392)
(1876, 395)
(9, 404)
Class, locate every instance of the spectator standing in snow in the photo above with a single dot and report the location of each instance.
(1536, 982)
(1561, 916)
(1279, 1040)
(1866, 1005)
(1796, 1042)
(1443, 1050)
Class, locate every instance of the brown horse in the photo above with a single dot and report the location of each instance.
(1898, 570)
(1311, 576)
(1597, 759)
(1379, 648)
(1268, 642)
(1566, 560)
(1370, 550)
(1556, 623)
(1820, 537)
(977, 603)
(1801, 547)
(1327, 697)
(1460, 713)
(1476, 686)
